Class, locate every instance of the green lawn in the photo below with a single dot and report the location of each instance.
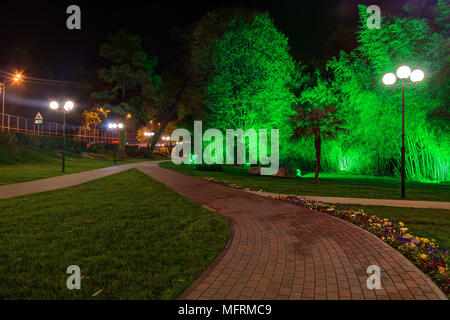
(329, 184)
(429, 223)
(132, 237)
(31, 164)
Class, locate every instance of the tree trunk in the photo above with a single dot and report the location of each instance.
(317, 143)
(122, 144)
(159, 132)
(156, 137)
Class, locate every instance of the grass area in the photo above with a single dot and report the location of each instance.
(429, 223)
(329, 184)
(132, 237)
(29, 164)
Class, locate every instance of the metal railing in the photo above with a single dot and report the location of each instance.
(11, 123)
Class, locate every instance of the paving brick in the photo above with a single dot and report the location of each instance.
(281, 251)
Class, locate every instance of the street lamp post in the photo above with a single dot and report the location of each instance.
(115, 126)
(68, 106)
(17, 77)
(3, 103)
(403, 73)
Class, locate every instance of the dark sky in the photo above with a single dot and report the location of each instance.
(40, 27)
(35, 38)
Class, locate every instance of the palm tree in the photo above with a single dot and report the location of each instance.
(319, 122)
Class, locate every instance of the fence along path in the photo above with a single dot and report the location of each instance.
(11, 123)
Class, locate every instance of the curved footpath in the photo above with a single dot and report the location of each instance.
(276, 250)
(281, 251)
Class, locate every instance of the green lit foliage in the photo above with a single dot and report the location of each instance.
(251, 71)
(318, 117)
(198, 45)
(373, 111)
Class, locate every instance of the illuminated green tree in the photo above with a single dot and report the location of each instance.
(251, 74)
(318, 117)
(373, 111)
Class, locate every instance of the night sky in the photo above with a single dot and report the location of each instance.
(35, 39)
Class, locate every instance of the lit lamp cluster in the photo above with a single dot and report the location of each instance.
(115, 126)
(165, 139)
(403, 73)
(68, 106)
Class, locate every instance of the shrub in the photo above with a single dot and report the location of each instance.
(40, 142)
(209, 167)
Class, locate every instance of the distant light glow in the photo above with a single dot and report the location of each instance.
(54, 105)
(120, 125)
(17, 77)
(68, 105)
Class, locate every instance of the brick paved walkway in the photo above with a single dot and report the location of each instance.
(58, 182)
(280, 251)
(276, 250)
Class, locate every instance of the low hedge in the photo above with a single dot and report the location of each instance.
(208, 167)
(98, 147)
(15, 140)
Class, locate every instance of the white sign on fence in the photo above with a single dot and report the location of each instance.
(38, 118)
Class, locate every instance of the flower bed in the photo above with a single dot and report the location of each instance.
(423, 252)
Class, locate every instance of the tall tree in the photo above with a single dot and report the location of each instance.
(251, 70)
(318, 116)
(197, 43)
(129, 83)
(165, 105)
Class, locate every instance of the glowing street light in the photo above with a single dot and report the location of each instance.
(389, 79)
(115, 126)
(54, 105)
(16, 78)
(417, 75)
(403, 73)
(68, 106)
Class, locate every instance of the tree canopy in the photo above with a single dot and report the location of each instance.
(129, 82)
